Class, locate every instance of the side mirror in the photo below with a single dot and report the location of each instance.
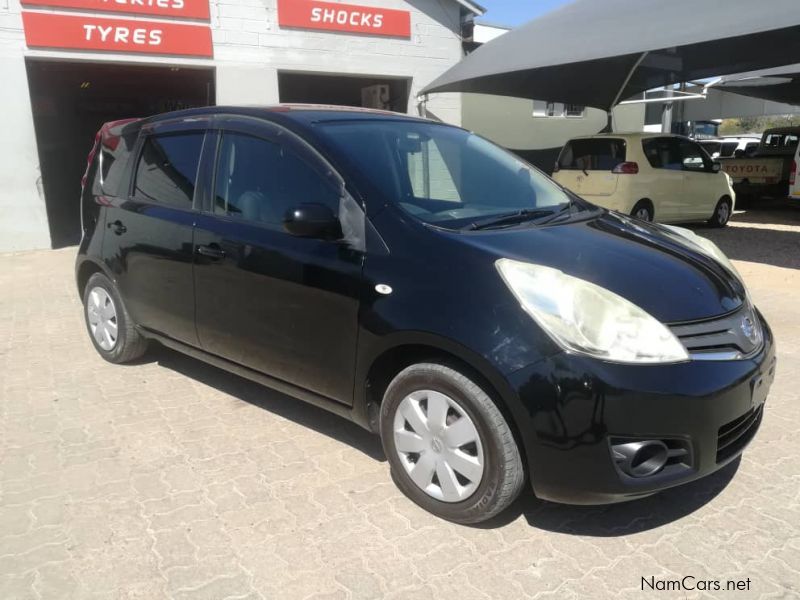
(715, 167)
(312, 220)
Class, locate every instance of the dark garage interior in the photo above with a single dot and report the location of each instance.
(71, 100)
(340, 90)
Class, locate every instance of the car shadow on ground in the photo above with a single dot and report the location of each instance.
(601, 521)
(624, 518)
(300, 412)
(769, 234)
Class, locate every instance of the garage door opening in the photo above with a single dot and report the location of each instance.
(369, 92)
(71, 101)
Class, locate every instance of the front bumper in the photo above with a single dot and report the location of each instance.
(574, 406)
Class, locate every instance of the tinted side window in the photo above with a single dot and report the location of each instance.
(712, 147)
(260, 181)
(663, 153)
(167, 169)
(728, 148)
(592, 154)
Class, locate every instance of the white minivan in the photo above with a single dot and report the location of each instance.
(652, 176)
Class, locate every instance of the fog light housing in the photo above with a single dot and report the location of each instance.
(640, 458)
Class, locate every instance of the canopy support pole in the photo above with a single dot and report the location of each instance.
(610, 124)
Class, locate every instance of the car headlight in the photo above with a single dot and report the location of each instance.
(586, 318)
(705, 246)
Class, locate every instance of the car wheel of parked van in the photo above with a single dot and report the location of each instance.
(450, 448)
(722, 213)
(110, 327)
(643, 211)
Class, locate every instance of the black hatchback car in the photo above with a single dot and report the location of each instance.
(428, 285)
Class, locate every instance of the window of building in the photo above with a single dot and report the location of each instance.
(574, 110)
(557, 109)
(167, 169)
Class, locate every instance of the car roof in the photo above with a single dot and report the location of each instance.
(779, 130)
(628, 135)
(304, 114)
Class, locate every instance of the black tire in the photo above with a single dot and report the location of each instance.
(503, 471)
(644, 206)
(722, 213)
(129, 344)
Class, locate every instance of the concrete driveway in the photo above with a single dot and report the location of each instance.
(172, 479)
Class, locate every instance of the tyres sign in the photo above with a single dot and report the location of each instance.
(49, 30)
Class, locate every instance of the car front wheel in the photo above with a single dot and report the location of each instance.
(110, 327)
(450, 448)
(722, 213)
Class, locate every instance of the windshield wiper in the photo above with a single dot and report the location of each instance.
(556, 215)
(518, 216)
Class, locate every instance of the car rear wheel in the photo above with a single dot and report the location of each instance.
(643, 211)
(450, 448)
(110, 327)
(722, 213)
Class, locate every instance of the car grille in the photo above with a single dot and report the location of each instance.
(734, 436)
(732, 336)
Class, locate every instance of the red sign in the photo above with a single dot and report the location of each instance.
(313, 14)
(190, 9)
(47, 30)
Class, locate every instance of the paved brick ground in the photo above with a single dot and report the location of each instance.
(171, 479)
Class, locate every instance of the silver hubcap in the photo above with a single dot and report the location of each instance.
(642, 214)
(723, 212)
(438, 445)
(102, 316)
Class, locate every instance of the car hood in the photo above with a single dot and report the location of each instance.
(647, 264)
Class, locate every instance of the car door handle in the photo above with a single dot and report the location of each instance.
(211, 251)
(117, 227)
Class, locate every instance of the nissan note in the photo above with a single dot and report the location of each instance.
(490, 325)
(651, 176)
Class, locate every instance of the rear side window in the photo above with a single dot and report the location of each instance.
(728, 148)
(167, 169)
(259, 181)
(713, 147)
(592, 154)
(663, 153)
(780, 140)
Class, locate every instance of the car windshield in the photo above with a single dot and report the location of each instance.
(444, 175)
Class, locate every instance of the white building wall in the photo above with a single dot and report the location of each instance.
(725, 105)
(510, 122)
(23, 216)
(247, 37)
(250, 49)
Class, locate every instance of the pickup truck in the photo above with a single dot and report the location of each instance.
(767, 171)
